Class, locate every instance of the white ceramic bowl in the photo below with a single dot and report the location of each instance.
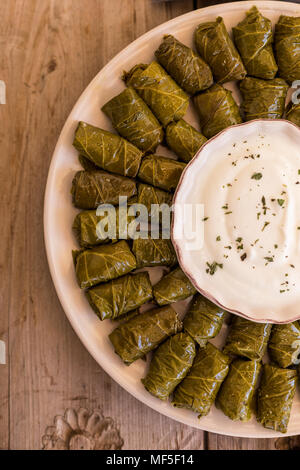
(59, 214)
(238, 287)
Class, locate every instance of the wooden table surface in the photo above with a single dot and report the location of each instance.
(49, 52)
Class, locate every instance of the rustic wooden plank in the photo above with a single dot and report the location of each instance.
(6, 230)
(207, 3)
(217, 441)
(50, 51)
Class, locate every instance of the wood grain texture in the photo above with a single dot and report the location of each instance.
(49, 52)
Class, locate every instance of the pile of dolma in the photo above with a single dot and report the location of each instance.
(161, 172)
(170, 364)
(184, 65)
(284, 344)
(144, 332)
(203, 320)
(247, 338)
(237, 394)
(275, 397)
(184, 139)
(119, 296)
(253, 37)
(173, 287)
(134, 121)
(217, 49)
(164, 97)
(199, 389)
(287, 47)
(217, 110)
(263, 99)
(150, 112)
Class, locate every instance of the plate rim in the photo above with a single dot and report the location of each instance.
(226, 7)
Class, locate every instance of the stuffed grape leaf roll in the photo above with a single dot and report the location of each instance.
(184, 139)
(143, 333)
(162, 172)
(92, 188)
(161, 93)
(132, 118)
(87, 164)
(85, 229)
(275, 397)
(173, 287)
(284, 344)
(149, 195)
(293, 113)
(126, 316)
(106, 150)
(263, 99)
(88, 233)
(203, 320)
(287, 47)
(184, 65)
(236, 397)
(217, 49)
(119, 296)
(151, 252)
(104, 263)
(247, 338)
(169, 365)
(217, 110)
(199, 389)
(253, 37)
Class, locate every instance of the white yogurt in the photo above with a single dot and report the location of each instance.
(249, 182)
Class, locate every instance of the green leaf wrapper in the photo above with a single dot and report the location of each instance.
(84, 228)
(184, 139)
(126, 316)
(247, 338)
(75, 254)
(203, 320)
(119, 296)
(149, 195)
(293, 113)
(161, 93)
(184, 65)
(253, 37)
(132, 118)
(173, 287)
(199, 389)
(143, 333)
(151, 252)
(236, 397)
(217, 49)
(104, 263)
(162, 172)
(287, 47)
(92, 188)
(85, 225)
(217, 110)
(284, 344)
(263, 99)
(169, 365)
(275, 397)
(87, 164)
(106, 150)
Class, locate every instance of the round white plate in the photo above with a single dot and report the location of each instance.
(59, 214)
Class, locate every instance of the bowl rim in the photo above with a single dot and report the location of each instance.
(179, 250)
